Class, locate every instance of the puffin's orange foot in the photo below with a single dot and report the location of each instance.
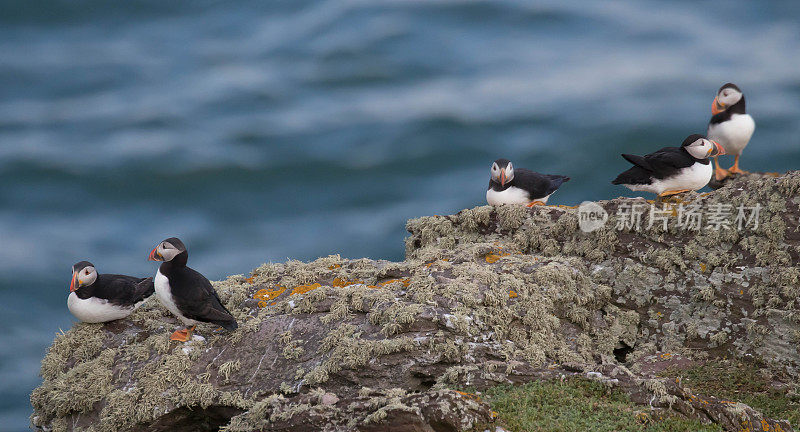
(736, 170)
(720, 173)
(672, 192)
(534, 203)
(182, 335)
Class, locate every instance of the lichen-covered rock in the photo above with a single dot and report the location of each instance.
(486, 296)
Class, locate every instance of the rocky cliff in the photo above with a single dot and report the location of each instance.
(485, 296)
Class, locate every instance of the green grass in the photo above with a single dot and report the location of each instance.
(579, 405)
(741, 382)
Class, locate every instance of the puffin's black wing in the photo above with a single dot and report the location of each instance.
(639, 161)
(556, 181)
(197, 299)
(659, 164)
(537, 185)
(120, 290)
(144, 289)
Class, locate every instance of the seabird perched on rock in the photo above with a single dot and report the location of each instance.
(96, 298)
(520, 186)
(672, 170)
(185, 292)
(730, 126)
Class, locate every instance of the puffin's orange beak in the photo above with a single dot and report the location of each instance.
(502, 177)
(720, 149)
(73, 285)
(717, 107)
(154, 255)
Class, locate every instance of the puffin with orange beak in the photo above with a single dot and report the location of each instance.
(731, 126)
(96, 298)
(185, 292)
(672, 170)
(520, 186)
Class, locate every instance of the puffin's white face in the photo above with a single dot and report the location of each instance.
(165, 251)
(83, 277)
(704, 148)
(502, 175)
(725, 98)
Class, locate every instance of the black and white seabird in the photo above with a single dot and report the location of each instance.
(672, 170)
(185, 292)
(730, 126)
(96, 298)
(520, 186)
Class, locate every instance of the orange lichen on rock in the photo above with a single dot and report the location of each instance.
(250, 279)
(341, 283)
(495, 256)
(512, 294)
(469, 395)
(302, 289)
(405, 283)
(267, 295)
(492, 258)
(335, 266)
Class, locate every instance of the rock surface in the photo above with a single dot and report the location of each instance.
(486, 296)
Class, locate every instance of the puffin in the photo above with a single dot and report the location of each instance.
(97, 298)
(731, 126)
(672, 170)
(520, 186)
(185, 292)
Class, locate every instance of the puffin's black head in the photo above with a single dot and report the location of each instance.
(701, 147)
(167, 250)
(727, 96)
(502, 171)
(83, 274)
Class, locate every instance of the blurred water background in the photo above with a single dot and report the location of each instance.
(261, 131)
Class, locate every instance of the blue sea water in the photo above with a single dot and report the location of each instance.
(261, 131)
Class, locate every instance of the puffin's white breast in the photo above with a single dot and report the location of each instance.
(693, 177)
(512, 195)
(733, 134)
(95, 310)
(164, 293)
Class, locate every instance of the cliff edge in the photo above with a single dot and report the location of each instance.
(621, 291)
